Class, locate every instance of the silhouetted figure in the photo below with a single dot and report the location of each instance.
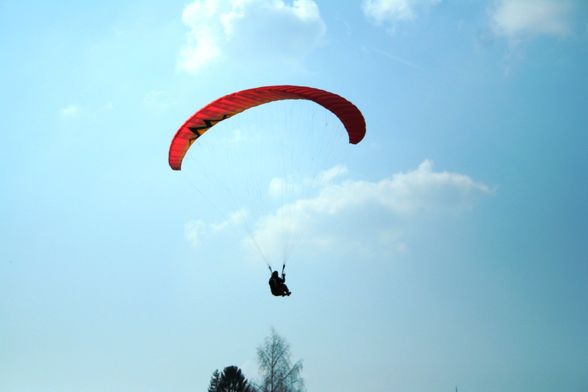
(278, 285)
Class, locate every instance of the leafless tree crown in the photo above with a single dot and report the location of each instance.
(278, 373)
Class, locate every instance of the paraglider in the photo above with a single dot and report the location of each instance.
(232, 104)
(229, 105)
(278, 284)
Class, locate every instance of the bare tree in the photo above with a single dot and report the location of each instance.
(278, 373)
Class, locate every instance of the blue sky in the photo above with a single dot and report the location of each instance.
(446, 249)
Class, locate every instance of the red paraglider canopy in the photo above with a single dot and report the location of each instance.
(235, 103)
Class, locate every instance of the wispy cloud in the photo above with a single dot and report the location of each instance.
(196, 231)
(279, 187)
(234, 219)
(398, 59)
(520, 19)
(389, 12)
(328, 176)
(236, 29)
(91, 111)
(70, 111)
(235, 137)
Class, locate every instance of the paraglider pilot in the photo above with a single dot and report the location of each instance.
(278, 284)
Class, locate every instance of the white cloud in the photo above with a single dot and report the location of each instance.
(329, 175)
(279, 187)
(388, 12)
(236, 137)
(196, 231)
(249, 30)
(75, 111)
(70, 111)
(364, 214)
(235, 219)
(519, 19)
(352, 216)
